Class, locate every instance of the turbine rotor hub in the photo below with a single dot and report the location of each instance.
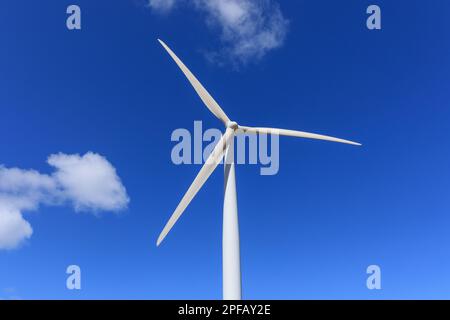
(233, 125)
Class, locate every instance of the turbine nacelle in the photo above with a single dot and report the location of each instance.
(232, 125)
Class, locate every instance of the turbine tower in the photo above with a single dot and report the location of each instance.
(230, 238)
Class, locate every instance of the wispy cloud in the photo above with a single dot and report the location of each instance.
(9, 294)
(248, 29)
(88, 183)
(162, 5)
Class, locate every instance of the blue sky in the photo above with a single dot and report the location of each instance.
(308, 232)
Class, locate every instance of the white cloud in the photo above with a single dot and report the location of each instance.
(88, 182)
(25, 188)
(248, 29)
(13, 227)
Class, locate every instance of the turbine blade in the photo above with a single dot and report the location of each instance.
(209, 101)
(207, 169)
(294, 133)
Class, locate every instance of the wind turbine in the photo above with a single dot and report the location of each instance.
(224, 148)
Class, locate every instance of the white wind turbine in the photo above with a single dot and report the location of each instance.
(230, 241)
